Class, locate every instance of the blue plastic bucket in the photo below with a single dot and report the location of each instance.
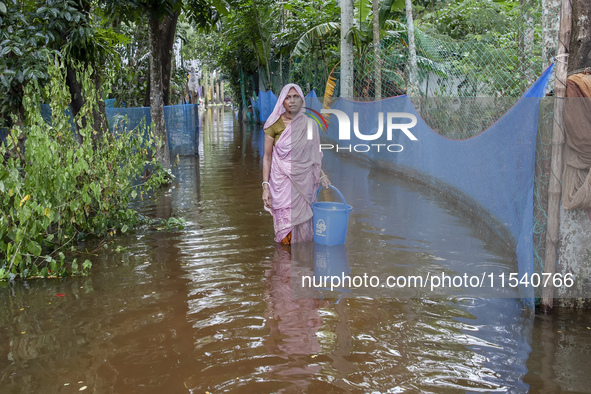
(331, 220)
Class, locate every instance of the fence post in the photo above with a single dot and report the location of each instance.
(554, 187)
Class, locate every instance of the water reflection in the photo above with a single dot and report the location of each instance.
(293, 324)
(331, 262)
(561, 354)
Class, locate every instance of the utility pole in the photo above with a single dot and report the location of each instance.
(346, 49)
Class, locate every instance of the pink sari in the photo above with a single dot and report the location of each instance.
(295, 173)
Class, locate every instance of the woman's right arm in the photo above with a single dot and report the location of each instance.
(267, 169)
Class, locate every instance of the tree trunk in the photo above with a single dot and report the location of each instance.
(527, 41)
(281, 69)
(313, 74)
(243, 94)
(376, 50)
(580, 42)
(77, 101)
(205, 88)
(76, 97)
(324, 62)
(156, 92)
(219, 94)
(99, 114)
(346, 49)
(216, 86)
(412, 55)
(550, 15)
(214, 93)
(168, 33)
(148, 90)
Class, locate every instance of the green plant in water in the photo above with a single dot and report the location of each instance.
(56, 187)
(172, 224)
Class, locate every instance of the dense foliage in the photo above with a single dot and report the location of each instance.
(469, 18)
(32, 30)
(59, 190)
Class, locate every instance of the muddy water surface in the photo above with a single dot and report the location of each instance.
(209, 308)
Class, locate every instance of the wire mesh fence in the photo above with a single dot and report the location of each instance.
(451, 73)
(310, 72)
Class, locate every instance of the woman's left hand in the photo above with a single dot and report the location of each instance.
(325, 182)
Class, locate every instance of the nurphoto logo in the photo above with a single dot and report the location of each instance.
(393, 124)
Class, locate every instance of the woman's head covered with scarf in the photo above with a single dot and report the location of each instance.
(280, 108)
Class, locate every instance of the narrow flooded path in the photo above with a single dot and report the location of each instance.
(209, 308)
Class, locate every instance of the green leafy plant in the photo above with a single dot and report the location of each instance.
(468, 18)
(55, 187)
(172, 223)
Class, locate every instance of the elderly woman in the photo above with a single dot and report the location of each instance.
(291, 168)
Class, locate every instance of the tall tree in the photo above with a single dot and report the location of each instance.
(265, 41)
(162, 17)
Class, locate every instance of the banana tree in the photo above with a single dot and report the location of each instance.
(361, 34)
(262, 46)
(362, 31)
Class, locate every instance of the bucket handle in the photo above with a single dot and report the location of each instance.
(333, 188)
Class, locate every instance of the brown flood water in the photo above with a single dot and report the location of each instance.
(209, 308)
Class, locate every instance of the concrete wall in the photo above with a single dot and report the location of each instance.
(575, 256)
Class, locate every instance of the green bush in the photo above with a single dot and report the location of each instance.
(56, 189)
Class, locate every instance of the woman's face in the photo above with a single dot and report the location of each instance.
(293, 102)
